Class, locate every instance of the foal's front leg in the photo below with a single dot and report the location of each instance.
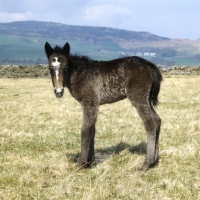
(87, 136)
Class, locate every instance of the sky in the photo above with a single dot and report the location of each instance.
(167, 18)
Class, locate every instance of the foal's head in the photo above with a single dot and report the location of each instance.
(58, 66)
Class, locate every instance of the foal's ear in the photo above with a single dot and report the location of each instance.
(48, 49)
(66, 49)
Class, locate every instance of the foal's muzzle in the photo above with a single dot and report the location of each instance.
(59, 92)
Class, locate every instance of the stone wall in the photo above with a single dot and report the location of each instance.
(24, 71)
(184, 70)
(28, 71)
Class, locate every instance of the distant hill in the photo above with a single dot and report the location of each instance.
(22, 43)
(68, 32)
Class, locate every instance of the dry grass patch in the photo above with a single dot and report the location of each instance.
(40, 143)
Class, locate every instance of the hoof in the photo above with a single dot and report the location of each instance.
(147, 166)
(144, 167)
(82, 164)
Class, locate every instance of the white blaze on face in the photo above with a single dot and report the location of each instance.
(56, 65)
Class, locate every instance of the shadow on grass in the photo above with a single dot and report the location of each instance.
(103, 154)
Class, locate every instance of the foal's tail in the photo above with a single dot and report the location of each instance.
(155, 88)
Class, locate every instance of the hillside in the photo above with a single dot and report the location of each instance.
(67, 32)
(22, 43)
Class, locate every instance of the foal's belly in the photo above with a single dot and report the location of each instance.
(110, 95)
(113, 86)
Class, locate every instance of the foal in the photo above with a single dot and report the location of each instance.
(93, 83)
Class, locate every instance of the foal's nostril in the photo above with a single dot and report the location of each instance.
(59, 92)
(59, 95)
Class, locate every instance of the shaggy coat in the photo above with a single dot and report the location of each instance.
(93, 83)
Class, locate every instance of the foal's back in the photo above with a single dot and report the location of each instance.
(126, 77)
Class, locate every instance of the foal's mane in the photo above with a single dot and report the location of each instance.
(79, 62)
(76, 56)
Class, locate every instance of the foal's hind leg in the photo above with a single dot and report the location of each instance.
(158, 120)
(138, 88)
(152, 123)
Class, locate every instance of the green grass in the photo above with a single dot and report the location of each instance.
(22, 48)
(190, 61)
(14, 50)
(40, 143)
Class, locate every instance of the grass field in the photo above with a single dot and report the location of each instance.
(40, 143)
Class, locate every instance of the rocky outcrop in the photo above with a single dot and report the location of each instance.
(33, 71)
